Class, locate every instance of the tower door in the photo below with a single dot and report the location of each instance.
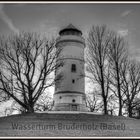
(73, 107)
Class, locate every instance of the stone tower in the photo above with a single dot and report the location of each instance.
(70, 92)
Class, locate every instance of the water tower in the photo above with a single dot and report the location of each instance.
(70, 92)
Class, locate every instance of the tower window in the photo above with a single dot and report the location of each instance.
(73, 100)
(73, 68)
(73, 81)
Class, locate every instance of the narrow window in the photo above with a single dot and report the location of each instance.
(73, 68)
(73, 81)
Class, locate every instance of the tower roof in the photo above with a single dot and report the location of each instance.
(68, 28)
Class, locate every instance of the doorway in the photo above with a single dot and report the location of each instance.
(73, 107)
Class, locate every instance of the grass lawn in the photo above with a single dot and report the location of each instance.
(61, 124)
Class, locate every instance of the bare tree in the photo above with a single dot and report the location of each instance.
(3, 97)
(44, 103)
(93, 100)
(98, 42)
(27, 62)
(112, 104)
(14, 107)
(131, 85)
(117, 56)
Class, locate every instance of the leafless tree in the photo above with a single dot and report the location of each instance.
(98, 42)
(117, 56)
(44, 103)
(131, 85)
(112, 104)
(4, 97)
(93, 101)
(27, 62)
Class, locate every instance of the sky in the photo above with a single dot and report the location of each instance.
(50, 18)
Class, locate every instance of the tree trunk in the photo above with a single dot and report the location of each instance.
(104, 98)
(119, 91)
(103, 92)
(130, 111)
(120, 107)
(30, 108)
(105, 106)
(138, 113)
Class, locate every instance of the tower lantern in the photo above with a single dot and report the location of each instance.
(70, 91)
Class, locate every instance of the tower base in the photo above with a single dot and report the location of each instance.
(70, 107)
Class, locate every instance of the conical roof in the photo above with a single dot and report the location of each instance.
(70, 27)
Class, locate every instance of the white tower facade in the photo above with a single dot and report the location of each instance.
(70, 91)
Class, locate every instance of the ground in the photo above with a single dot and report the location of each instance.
(68, 124)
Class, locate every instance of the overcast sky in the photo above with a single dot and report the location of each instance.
(50, 18)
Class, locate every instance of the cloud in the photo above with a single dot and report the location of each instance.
(123, 32)
(7, 20)
(126, 13)
(134, 52)
(50, 27)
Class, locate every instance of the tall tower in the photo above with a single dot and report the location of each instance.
(70, 91)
